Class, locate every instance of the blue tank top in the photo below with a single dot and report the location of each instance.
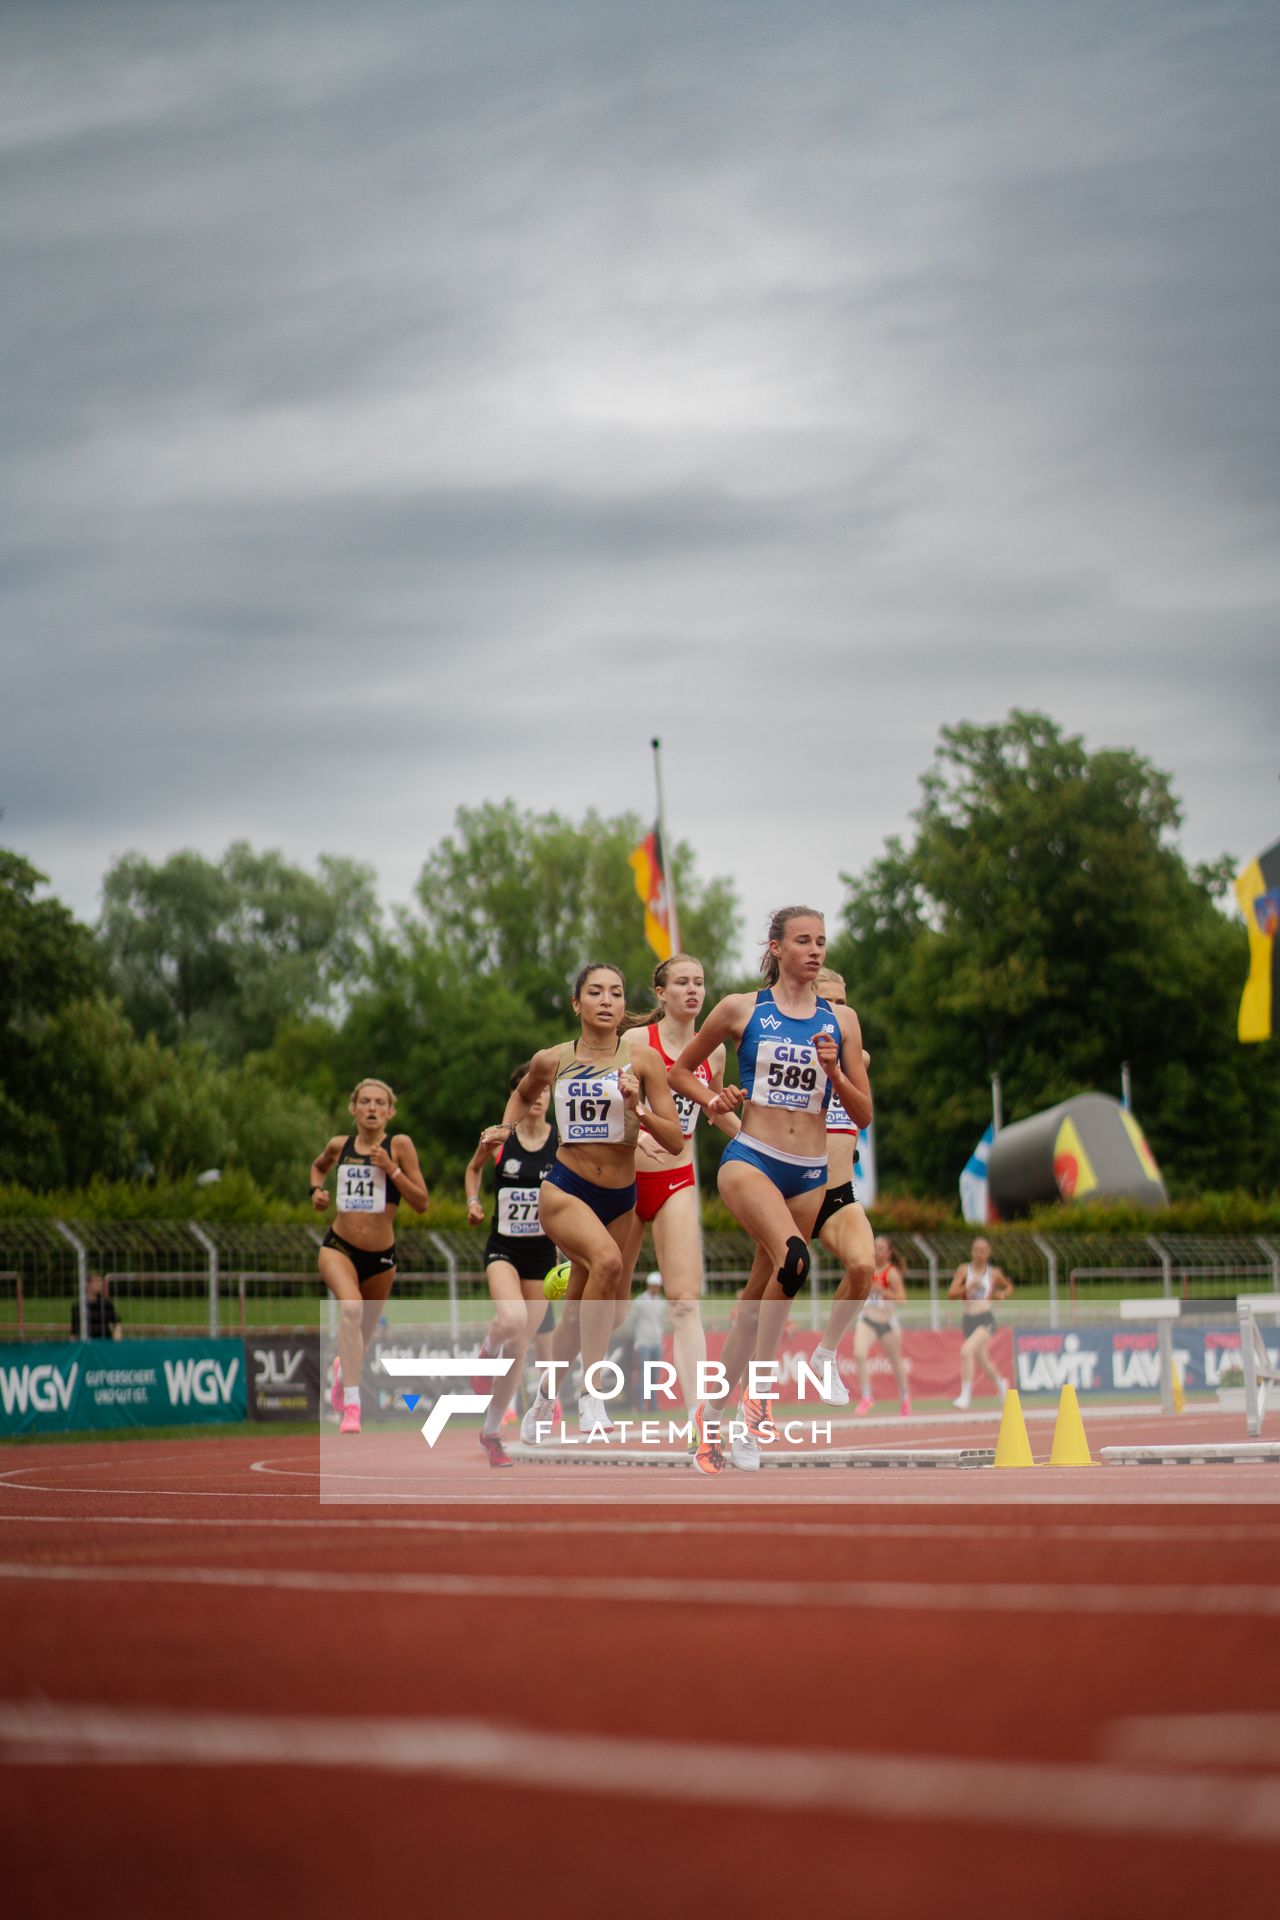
(777, 1065)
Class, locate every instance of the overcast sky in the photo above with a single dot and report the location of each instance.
(415, 404)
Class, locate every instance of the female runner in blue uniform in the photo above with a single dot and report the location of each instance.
(793, 1049)
(842, 1225)
(518, 1253)
(358, 1254)
(598, 1082)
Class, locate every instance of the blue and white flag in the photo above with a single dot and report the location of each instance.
(974, 1204)
(864, 1171)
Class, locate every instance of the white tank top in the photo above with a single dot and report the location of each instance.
(978, 1286)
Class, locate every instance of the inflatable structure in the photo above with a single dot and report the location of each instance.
(1088, 1148)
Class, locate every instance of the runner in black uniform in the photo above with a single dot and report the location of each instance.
(374, 1172)
(517, 1253)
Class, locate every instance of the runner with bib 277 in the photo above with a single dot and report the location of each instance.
(793, 1049)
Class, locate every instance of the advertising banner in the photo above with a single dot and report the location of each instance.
(283, 1375)
(932, 1362)
(80, 1386)
(1127, 1359)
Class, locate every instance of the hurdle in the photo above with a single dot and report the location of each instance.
(1164, 1312)
(1259, 1374)
(955, 1458)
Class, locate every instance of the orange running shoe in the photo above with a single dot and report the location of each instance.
(706, 1455)
(756, 1417)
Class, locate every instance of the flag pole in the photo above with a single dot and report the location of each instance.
(673, 917)
(668, 854)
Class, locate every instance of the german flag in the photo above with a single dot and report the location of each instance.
(1258, 891)
(651, 884)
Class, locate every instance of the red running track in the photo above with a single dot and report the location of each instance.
(894, 1693)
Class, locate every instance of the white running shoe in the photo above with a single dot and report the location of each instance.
(538, 1415)
(744, 1452)
(962, 1401)
(592, 1412)
(826, 1366)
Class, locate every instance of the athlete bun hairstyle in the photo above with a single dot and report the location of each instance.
(598, 966)
(369, 1081)
(657, 980)
(769, 965)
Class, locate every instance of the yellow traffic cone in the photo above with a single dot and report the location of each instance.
(1013, 1449)
(1179, 1397)
(1070, 1448)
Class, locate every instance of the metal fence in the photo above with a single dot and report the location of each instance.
(195, 1277)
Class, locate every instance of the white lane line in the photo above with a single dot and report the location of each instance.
(897, 1596)
(857, 1530)
(1198, 1739)
(1215, 1487)
(1066, 1797)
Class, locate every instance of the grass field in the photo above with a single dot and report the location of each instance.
(300, 1305)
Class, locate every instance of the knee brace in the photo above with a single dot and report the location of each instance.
(794, 1270)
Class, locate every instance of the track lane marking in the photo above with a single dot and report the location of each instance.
(856, 1531)
(1070, 1797)
(1239, 1602)
(1198, 1739)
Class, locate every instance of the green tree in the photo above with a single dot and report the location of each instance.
(47, 961)
(528, 898)
(1043, 924)
(224, 953)
(512, 904)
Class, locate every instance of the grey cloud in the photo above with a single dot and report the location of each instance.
(792, 379)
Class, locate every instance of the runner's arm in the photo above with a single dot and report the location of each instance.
(320, 1167)
(659, 1117)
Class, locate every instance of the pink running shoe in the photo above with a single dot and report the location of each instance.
(904, 1407)
(498, 1455)
(350, 1420)
(335, 1391)
(481, 1382)
(863, 1406)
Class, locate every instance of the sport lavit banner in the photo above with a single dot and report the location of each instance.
(79, 1386)
(1127, 1359)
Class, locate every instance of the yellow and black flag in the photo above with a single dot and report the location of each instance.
(651, 884)
(1258, 891)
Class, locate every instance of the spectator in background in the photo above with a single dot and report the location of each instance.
(104, 1321)
(647, 1325)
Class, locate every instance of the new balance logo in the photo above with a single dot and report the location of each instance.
(448, 1367)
